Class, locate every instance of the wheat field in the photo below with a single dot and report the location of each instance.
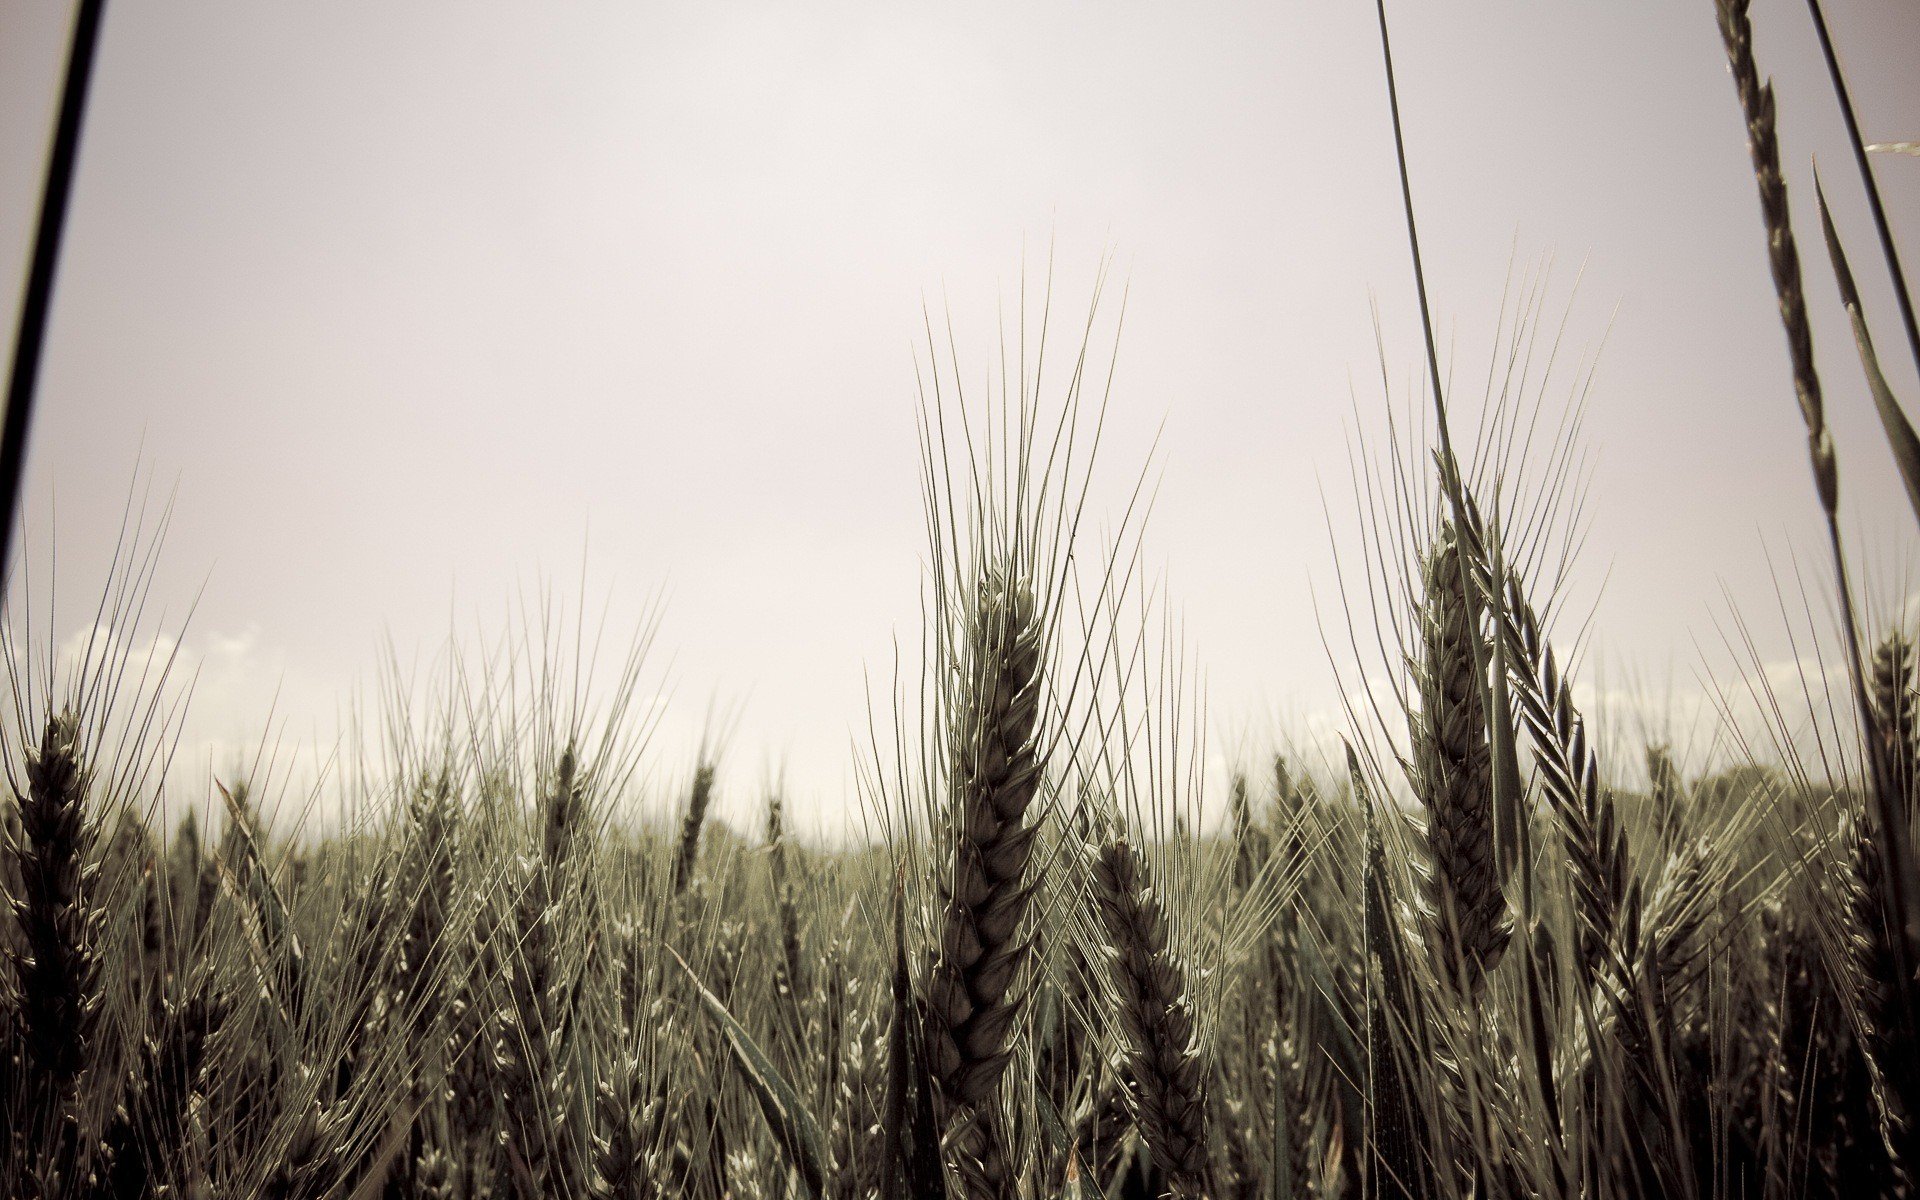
(1480, 950)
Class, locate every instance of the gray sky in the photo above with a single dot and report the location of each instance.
(412, 302)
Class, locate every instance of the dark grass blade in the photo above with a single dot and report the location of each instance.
(30, 340)
(912, 1164)
(1902, 297)
(1078, 1186)
(1900, 435)
(793, 1126)
(1393, 1112)
(1509, 791)
(1282, 1164)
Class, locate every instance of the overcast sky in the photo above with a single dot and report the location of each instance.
(411, 305)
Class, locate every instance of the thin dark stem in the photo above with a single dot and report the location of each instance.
(30, 341)
(1453, 486)
(1858, 144)
(1413, 240)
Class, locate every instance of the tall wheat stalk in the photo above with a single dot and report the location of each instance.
(1901, 874)
(996, 771)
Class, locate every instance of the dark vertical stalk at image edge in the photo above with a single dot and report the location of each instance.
(30, 340)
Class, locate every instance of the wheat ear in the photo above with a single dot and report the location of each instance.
(995, 773)
(536, 1081)
(1167, 1074)
(687, 855)
(1570, 778)
(1452, 774)
(59, 922)
(1895, 703)
(793, 979)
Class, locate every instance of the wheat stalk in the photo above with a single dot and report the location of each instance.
(57, 970)
(1452, 774)
(1166, 1074)
(1896, 704)
(1867, 940)
(687, 857)
(1396, 1161)
(996, 766)
(793, 978)
(1296, 1066)
(536, 1081)
(1570, 778)
(1901, 879)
